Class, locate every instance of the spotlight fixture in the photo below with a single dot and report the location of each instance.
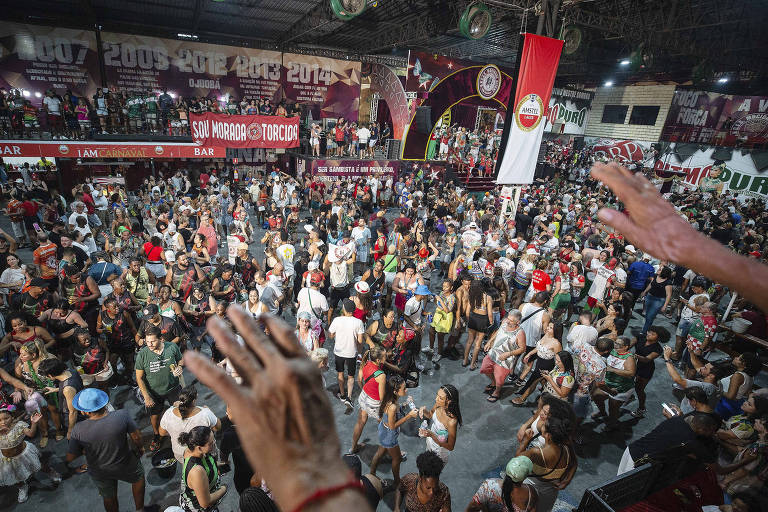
(608, 83)
(347, 9)
(722, 80)
(624, 62)
(475, 21)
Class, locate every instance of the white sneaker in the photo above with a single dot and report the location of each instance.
(436, 358)
(23, 493)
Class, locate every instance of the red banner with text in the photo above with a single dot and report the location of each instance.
(222, 130)
(538, 67)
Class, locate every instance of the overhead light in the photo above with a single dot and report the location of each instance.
(624, 62)
(722, 80)
(25, 93)
(608, 83)
(38, 95)
(186, 36)
(172, 95)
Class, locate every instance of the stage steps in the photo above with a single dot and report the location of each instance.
(476, 183)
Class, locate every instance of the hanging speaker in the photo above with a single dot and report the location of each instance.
(641, 58)
(572, 37)
(476, 21)
(348, 9)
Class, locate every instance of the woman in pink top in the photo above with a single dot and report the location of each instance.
(209, 230)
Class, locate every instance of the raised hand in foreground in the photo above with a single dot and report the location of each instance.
(282, 413)
(657, 228)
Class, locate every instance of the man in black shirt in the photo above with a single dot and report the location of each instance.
(169, 328)
(523, 221)
(690, 435)
(230, 444)
(35, 300)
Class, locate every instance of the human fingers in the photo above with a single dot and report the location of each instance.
(241, 359)
(620, 222)
(618, 179)
(217, 379)
(282, 334)
(298, 407)
(254, 336)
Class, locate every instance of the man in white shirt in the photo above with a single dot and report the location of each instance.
(582, 332)
(286, 252)
(310, 299)
(363, 134)
(347, 333)
(413, 312)
(269, 296)
(52, 105)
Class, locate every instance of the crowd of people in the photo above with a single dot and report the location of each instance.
(382, 282)
(73, 117)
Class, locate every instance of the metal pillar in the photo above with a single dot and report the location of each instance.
(548, 18)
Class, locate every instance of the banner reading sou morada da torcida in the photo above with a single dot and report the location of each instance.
(538, 67)
(223, 130)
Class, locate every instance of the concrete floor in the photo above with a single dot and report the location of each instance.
(485, 442)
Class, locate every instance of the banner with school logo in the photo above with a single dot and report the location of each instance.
(522, 137)
(239, 131)
(34, 58)
(568, 111)
(717, 170)
(716, 119)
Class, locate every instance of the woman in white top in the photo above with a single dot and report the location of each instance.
(737, 387)
(12, 278)
(183, 417)
(252, 305)
(446, 420)
(537, 421)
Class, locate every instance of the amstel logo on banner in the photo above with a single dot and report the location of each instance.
(488, 82)
(529, 112)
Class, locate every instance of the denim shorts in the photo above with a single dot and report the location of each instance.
(682, 328)
(581, 405)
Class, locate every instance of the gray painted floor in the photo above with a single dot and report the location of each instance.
(485, 442)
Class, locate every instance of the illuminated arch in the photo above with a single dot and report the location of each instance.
(451, 90)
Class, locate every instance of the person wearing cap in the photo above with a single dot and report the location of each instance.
(35, 300)
(158, 367)
(413, 312)
(103, 438)
(246, 265)
(348, 333)
(169, 327)
(509, 491)
(82, 292)
(639, 274)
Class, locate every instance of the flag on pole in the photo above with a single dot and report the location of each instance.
(536, 75)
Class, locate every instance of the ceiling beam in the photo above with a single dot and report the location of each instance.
(315, 18)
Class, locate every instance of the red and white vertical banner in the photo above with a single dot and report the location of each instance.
(537, 70)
